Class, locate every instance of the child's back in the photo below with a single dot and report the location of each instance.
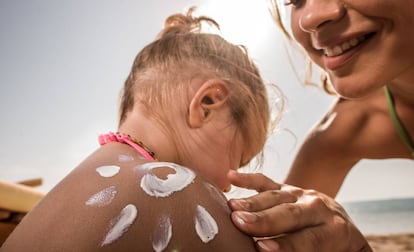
(117, 201)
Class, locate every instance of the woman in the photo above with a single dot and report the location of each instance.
(365, 47)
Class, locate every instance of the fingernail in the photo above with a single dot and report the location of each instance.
(241, 204)
(246, 217)
(268, 245)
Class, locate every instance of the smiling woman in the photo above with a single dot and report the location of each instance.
(364, 49)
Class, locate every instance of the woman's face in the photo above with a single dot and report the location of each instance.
(362, 44)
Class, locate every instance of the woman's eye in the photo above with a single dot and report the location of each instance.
(295, 3)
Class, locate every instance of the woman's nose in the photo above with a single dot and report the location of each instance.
(317, 13)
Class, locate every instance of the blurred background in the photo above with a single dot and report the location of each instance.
(63, 63)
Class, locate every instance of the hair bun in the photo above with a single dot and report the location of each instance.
(185, 23)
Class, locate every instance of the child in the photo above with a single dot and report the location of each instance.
(193, 107)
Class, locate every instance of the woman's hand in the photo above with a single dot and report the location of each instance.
(288, 218)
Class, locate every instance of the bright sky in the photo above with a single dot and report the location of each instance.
(63, 64)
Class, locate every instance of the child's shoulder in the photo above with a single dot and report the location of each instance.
(117, 201)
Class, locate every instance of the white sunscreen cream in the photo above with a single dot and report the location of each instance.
(205, 225)
(162, 234)
(157, 187)
(102, 198)
(218, 196)
(125, 158)
(108, 171)
(120, 224)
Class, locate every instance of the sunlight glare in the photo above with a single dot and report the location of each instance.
(245, 22)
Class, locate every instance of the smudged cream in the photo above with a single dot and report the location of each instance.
(162, 234)
(108, 171)
(157, 187)
(120, 224)
(125, 158)
(102, 198)
(205, 225)
(217, 195)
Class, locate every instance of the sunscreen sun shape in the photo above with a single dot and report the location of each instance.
(157, 187)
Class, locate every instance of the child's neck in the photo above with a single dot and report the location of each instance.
(150, 133)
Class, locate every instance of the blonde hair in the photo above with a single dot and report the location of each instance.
(162, 71)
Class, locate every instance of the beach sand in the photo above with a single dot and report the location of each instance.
(392, 242)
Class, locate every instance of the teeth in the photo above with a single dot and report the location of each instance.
(354, 42)
(345, 46)
(337, 50)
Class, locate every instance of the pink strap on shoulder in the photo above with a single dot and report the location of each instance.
(123, 138)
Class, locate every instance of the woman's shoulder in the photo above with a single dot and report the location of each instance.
(352, 125)
(115, 200)
(346, 119)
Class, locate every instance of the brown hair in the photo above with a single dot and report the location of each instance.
(275, 12)
(163, 69)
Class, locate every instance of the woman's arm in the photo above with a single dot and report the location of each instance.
(330, 150)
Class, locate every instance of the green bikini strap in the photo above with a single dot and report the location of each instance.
(397, 123)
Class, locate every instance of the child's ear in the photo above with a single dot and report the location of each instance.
(210, 96)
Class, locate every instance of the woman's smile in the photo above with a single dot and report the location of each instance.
(339, 54)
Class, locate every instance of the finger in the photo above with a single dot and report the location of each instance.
(312, 239)
(337, 235)
(280, 219)
(253, 181)
(267, 245)
(262, 201)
